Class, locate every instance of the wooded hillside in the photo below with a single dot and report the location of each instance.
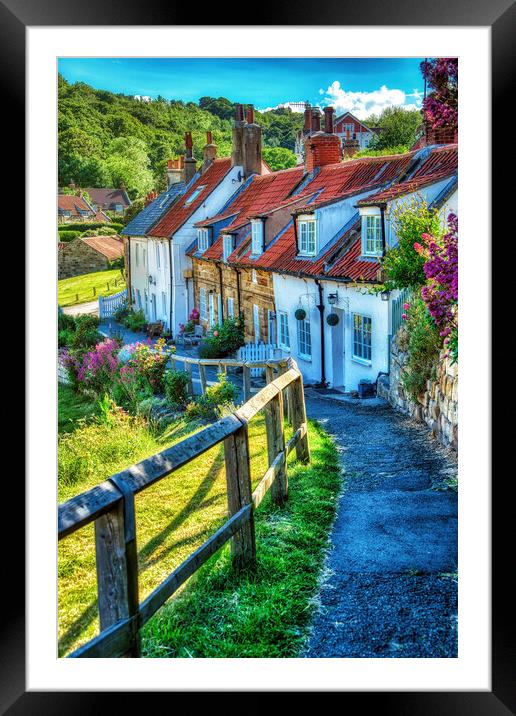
(106, 139)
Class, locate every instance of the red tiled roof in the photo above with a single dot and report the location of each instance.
(108, 198)
(264, 193)
(440, 163)
(179, 212)
(72, 203)
(112, 247)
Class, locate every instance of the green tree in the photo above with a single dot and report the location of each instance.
(128, 163)
(397, 127)
(279, 158)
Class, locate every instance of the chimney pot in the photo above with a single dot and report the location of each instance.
(209, 138)
(250, 114)
(328, 120)
(307, 126)
(239, 113)
(316, 120)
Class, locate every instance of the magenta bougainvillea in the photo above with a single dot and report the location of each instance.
(441, 293)
(440, 107)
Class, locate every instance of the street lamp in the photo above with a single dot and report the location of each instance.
(333, 298)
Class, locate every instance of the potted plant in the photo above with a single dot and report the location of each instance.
(300, 314)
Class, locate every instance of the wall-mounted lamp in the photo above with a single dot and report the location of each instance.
(385, 295)
(333, 298)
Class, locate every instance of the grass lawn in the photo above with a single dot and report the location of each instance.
(82, 286)
(217, 613)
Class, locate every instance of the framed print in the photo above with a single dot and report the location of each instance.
(261, 483)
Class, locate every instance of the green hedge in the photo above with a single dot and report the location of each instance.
(84, 226)
(68, 235)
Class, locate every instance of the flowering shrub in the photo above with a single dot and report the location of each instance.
(146, 366)
(225, 339)
(440, 108)
(441, 293)
(176, 387)
(194, 315)
(404, 264)
(94, 370)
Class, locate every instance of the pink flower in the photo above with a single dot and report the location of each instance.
(418, 248)
(215, 333)
(406, 306)
(404, 316)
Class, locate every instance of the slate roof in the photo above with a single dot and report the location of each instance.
(106, 198)
(149, 215)
(179, 212)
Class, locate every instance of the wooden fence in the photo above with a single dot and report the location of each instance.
(110, 505)
(109, 304)
(222, 364)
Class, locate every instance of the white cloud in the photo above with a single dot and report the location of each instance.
(363, 104)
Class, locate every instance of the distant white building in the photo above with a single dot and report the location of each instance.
(143, 98)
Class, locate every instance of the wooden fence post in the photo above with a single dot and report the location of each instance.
(246, 376)
(286, 394)
(269, 374)
(238, 479)
(298, 417)
(188, 369)
(202, 376)
(117, 566)
(276, 445)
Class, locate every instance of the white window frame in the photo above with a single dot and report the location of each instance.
(203, 240)
(227, 246)
(283, 331)
(372, 235)
(256, 323)
(307, 236)
(202, 304)
(364, 346)
(304, 339)
(257, 237)
(211, 309)
(254, 276)
(119, 208)
(231, 307)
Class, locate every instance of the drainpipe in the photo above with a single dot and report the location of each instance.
(382, 221)
(221, 317)
(295, 235)
(128, 272)
(170, 324)
(323, 347)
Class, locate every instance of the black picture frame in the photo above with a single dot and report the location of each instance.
(500, 15)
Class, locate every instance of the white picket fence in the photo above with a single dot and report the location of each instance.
(258, 352)
(109, 304)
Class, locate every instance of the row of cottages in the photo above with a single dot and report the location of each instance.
(73, 208)
(296, 246)
(160, 271)
(297, 252)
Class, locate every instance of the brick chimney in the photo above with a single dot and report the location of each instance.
(175, 170)
(307, 126)
(350, 146)
(316, 120)
(322, 147)
(252, 145)
(237, 153)
(209, 152)
(190, 163)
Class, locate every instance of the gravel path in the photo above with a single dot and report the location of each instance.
(389, 588)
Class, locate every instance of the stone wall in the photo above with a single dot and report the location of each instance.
(76, 258)
(437, 406)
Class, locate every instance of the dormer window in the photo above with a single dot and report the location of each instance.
(194, 194)
(227, 246)
(203, 240)
(306, 228)
(371, 235)
(257, 237)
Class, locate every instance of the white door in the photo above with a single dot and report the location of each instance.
(256, 323)
(211, 309)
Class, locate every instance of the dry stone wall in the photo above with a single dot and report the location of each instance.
(437, 406)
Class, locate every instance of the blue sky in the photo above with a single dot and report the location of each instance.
(360, 85)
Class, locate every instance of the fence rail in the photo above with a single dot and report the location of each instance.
(108, 305)
(110, 505)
